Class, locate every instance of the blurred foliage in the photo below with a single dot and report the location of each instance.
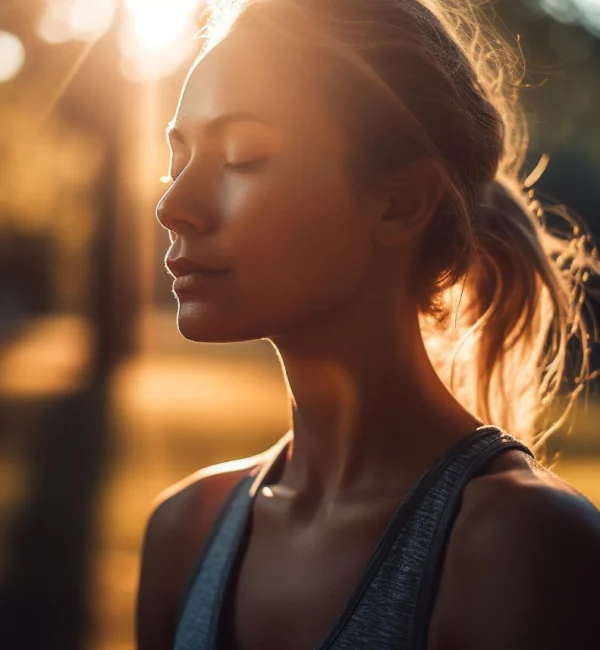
(563, 70)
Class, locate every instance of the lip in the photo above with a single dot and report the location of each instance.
(181, 266)
(192, 282)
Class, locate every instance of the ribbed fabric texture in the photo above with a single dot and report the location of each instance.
(391, 604)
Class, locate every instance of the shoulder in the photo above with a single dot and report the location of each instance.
(524, 564)
(194, 499)
(180, 522)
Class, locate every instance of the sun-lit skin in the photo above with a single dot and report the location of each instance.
(317, 268)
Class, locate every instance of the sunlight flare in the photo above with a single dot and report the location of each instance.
(158, 36)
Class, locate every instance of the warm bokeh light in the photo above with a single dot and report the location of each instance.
(66, 20)
(158, 36)
(12, 56)
(90, 18)
(50, 358)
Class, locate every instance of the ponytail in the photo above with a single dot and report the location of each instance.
(520, 308)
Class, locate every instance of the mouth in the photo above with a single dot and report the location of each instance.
(197, 281)
(179, 266)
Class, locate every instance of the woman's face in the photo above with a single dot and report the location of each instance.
(265, 195)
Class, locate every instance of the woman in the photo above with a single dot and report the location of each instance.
(345, 184)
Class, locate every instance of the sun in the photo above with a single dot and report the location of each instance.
(158, 24)
(158, 35)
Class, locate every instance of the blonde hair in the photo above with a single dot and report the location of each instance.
(500, 294)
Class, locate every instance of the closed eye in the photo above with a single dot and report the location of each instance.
(251, 165)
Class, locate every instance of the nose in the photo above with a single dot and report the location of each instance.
(165, 215)
(180, 210)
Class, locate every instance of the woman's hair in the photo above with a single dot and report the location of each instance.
(500, 294)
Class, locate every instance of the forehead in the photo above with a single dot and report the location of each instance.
(248, 71)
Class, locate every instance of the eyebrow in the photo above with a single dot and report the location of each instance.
(215, 125)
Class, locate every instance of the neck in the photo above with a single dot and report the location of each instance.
(369, 411)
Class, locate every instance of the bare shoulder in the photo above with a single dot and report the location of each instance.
(180, 522)
(522, 564)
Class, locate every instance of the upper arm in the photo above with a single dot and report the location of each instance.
(171, 542)
(525, 572)
(155, 607)
(175, 534)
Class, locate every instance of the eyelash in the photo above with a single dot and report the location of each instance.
(238, 167)
(246, 166)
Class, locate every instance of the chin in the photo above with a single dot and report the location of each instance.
(206, 332)
(198, 324)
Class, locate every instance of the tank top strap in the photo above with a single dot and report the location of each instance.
(198, 611)
(392, 604)
(201, 605)
(448, 495)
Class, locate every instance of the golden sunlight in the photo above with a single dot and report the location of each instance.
(158, 36)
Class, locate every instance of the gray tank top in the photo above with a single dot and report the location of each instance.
(392, 601)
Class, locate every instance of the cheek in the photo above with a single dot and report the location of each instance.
(299, 238)
(300, 246)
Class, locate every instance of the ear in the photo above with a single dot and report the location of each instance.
(413, 194)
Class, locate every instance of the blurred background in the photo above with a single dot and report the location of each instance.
(102, 402)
